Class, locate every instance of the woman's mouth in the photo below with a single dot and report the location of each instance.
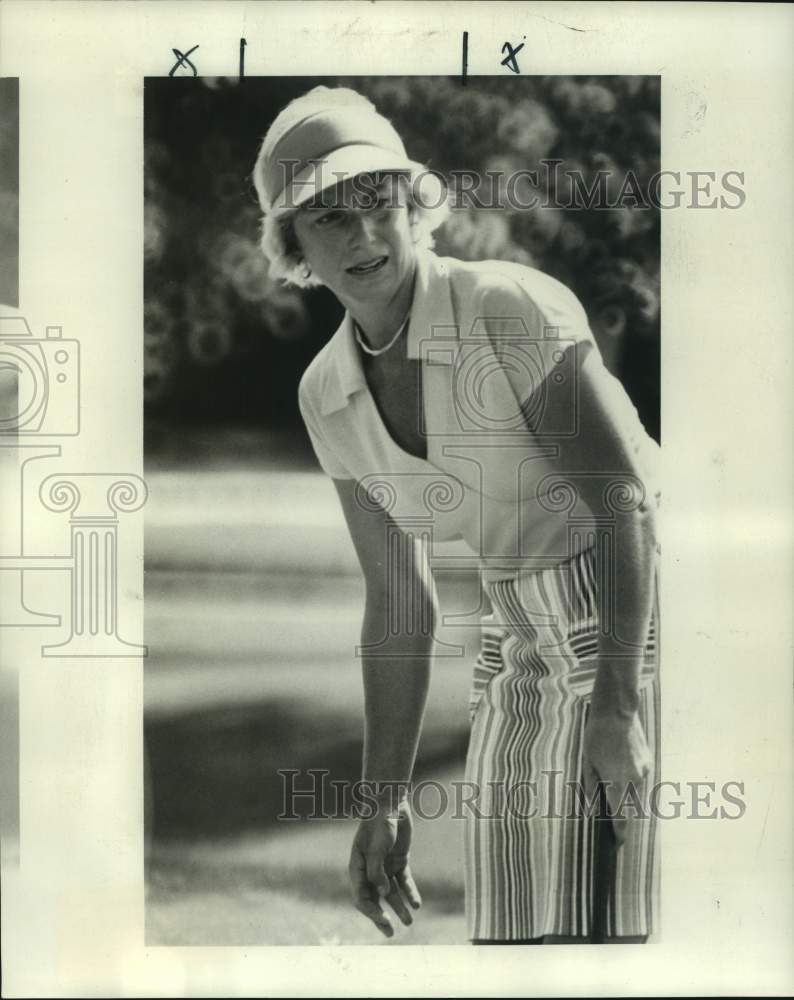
(368, 266)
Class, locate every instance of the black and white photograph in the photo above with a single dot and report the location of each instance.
(444, 298)
(396, 480)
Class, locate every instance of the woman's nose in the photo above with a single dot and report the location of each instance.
(362, 229)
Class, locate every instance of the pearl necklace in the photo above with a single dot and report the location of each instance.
(380, 350)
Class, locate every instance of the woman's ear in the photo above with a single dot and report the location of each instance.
(289, 236)
(413, 221)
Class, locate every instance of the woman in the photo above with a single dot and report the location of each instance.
(468, 400)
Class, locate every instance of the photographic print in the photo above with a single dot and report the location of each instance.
(254, 593)
(396, 499)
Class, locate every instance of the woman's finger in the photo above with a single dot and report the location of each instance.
(397, 903)
(619, 828)
(405, 880)
(614, 801)
(376, 873)
(364, 895)
(371, 910)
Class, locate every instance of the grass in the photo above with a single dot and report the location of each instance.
(289, 886)
(247, 675)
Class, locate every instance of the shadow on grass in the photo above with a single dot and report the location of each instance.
(215, 772)
(168, 879)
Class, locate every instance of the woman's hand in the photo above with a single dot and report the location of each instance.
(616, 753)
(379, 867)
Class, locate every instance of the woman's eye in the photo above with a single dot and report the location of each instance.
(327, 219)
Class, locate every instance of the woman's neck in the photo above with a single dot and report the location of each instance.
(379, 320)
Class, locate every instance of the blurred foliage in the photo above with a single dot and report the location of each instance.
(225, 343)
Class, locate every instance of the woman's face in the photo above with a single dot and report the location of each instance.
(360, 251)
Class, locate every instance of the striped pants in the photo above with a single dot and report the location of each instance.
(529, 838)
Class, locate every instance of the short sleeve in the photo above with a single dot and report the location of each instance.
(561, 353)
(329, 462)
(548, 310)
(540, 333)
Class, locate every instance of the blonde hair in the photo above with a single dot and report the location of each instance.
(278, 241)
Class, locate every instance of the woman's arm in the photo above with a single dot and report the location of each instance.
(396, 641)
(599, 456)
(396, 677)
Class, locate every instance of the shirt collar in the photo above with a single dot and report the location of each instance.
(431, 315)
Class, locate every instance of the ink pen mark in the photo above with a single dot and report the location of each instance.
(243, 44)
(183, 60)
(465, 64)
(510, 59)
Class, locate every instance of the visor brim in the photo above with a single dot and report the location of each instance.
(335, 168)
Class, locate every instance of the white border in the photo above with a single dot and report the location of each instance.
(73, 913)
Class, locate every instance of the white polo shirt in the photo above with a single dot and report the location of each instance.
(489, 335)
